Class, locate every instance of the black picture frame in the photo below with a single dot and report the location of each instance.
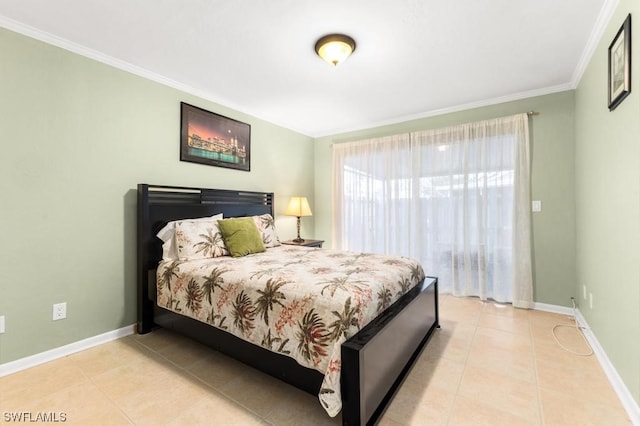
(213, 139)
(620, 65)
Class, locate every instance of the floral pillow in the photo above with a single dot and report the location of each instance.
(167, 235)
(267, 229)
(199, 240)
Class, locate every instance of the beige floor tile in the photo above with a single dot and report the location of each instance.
(569, 337)
(543, 332)
(514, 364)
(419, 403)
(468, 412)
(469, 303)
(78, 404)
(159, 339)
(217, 410)
(185, 353)
(217, 369)
(166, 401)
(553, 354)
(462, 310)
(517, 397)
(442, 373)
(42, 380)
(108, 356)
(264, 391)
(505, 309)
(457, 327)
(520, 344)
(388, 421)
(300, 408)
(543, 322)
(589, 384)
(124, 382)
(111, 418)
(563, 409)
(513, 324)
(443, 345)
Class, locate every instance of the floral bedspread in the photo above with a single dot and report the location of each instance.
(297, 301)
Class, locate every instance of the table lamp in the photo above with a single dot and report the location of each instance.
(298, 206)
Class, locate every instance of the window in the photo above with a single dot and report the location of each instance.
(446, 197)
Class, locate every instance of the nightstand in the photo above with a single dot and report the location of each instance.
(305, 243)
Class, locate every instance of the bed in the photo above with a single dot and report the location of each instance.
(374, 358)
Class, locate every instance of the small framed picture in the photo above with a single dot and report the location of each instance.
(620, 65)
(212, 139)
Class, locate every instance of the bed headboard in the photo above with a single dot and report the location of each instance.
(159, 204)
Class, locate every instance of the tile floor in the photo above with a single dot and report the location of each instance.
(488, 364)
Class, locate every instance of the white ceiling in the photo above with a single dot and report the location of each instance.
(414, 58)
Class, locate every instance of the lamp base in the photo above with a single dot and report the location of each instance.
(298, 239)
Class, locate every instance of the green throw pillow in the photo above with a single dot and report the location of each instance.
(241, 236)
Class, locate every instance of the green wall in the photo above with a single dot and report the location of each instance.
(552, 144)
(608, 206)
(77, 137)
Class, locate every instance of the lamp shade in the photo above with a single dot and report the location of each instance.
(298, 206)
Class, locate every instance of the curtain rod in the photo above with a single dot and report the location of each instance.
(529, 113)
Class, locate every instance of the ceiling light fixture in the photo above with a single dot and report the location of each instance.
(335, 48)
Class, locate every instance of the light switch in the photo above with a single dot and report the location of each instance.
(536, 206)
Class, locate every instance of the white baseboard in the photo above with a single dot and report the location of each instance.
(50, 355)
(629, 404)
(564, 310)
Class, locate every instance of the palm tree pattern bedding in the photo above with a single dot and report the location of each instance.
(297, 301)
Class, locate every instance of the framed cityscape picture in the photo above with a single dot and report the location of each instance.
(212, 139)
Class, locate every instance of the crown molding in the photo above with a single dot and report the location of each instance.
(604, 17)
(45, 37)
(457, 108)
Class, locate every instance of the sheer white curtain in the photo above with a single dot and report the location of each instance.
(457, 199)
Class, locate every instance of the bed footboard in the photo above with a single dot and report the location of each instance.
(376, 360)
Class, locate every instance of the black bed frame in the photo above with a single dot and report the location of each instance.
(374, 361)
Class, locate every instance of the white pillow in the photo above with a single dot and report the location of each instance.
(167, 235)
(267, 228)
(199, 240)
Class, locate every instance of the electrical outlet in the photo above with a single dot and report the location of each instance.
(590, 300)
(59, 311)
(1, 324)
